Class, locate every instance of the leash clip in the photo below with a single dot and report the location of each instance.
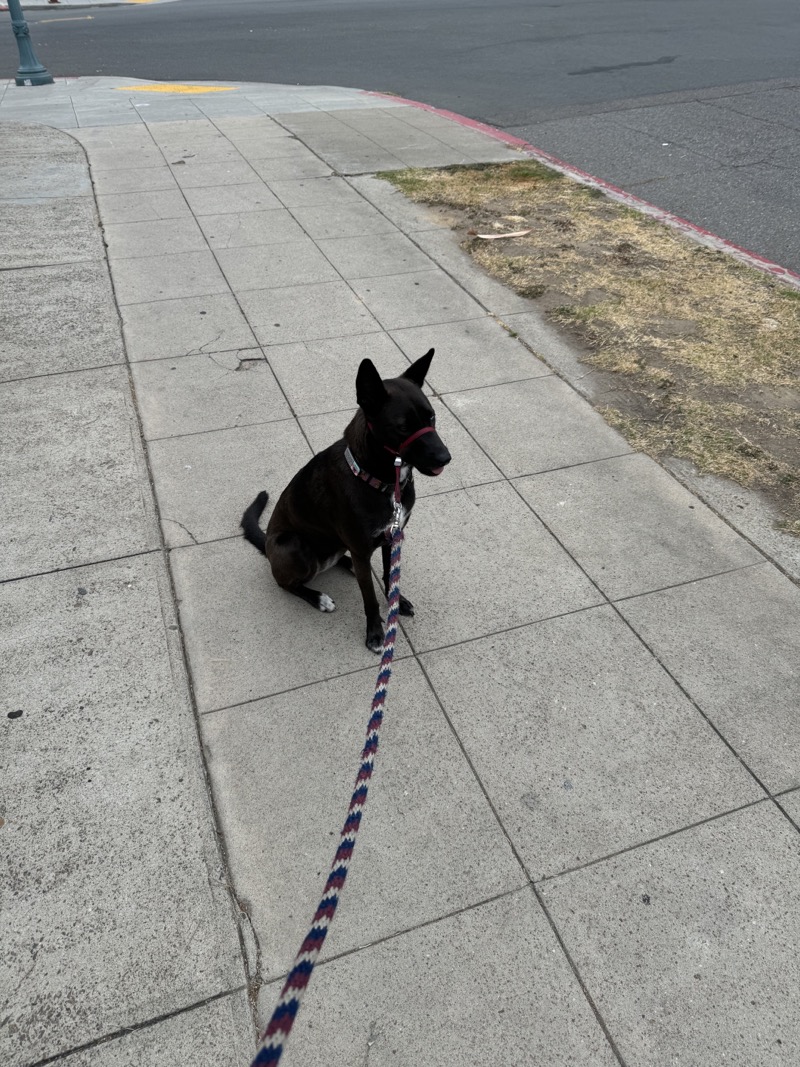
(397, 507)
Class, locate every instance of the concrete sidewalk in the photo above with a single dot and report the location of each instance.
(582, 844)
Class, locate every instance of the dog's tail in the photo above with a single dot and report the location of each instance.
(252, 531)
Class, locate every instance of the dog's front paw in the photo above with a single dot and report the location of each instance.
(325, 603)
(406, 607)
(374, 640)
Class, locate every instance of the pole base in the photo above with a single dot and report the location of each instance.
(34, 77)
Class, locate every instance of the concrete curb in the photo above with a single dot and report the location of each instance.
(74, 5)
(689, 229)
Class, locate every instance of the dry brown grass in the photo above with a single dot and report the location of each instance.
(707, 350)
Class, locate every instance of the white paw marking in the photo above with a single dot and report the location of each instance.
(325, 603)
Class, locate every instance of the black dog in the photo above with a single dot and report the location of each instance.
(343, 499)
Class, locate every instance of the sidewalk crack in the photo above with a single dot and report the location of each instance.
(252, 948)
(185, 529)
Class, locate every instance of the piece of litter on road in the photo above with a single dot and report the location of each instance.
(500, 236)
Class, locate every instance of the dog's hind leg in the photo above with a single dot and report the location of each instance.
(293, 564)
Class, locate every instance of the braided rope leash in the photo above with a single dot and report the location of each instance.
(280, 1025)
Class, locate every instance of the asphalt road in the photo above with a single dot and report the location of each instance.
(692, 104)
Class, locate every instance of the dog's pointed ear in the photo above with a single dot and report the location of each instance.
(370, 391)
(417, 371)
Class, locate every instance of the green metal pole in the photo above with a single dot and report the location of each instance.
(31, 71)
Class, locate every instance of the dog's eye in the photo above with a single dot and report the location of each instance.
(433, 419)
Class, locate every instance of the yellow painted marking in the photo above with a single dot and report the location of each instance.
(74, 18)
(168, 87)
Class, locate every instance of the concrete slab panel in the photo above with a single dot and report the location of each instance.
(791, 803)
(294, 263)
(283, 147)
(418, 299)
(28, 143)
(58, 321)
(220, 1034)
(181, 136)
(102, 116)
(356, 161)
(434, 155)
(538, 425)
(294, 169)
(172, 110)
(453, 537)
(478, 145)
(48, 232)
(218, 150)
(345, 219)
(690, 945)
(243, 632)
(231, 172)
(470, 354)
(599, 750)
(632, 527)
(747, 511)
(320, 376)
(514, 995)
(135, 180)
(202, 324)
(167, 277)
(243, 229)
(34, 177)
(75, 480)
(194, 394)
(134, 240)
(310, 192)
(205, 481)
(61, 116)
(374, 256)
(443, 247)
(228, 106)
(561, 353)
(306, 313)
(447, 850)
(470, 465)
(221, 199)
(142, 207)
(92, 137)
(123, 157)
(733, 642)
(252, 134)
(116, 911)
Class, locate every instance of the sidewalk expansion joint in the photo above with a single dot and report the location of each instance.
(692, 581)
(333, 957)
(79, 566)
(653, 840)
(216, 822)
(135, 1027)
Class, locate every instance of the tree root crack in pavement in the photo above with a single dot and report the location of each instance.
(185, 529)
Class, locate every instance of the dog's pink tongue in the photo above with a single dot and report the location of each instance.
(437, 470)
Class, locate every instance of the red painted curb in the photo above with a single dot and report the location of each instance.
(690, 229)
